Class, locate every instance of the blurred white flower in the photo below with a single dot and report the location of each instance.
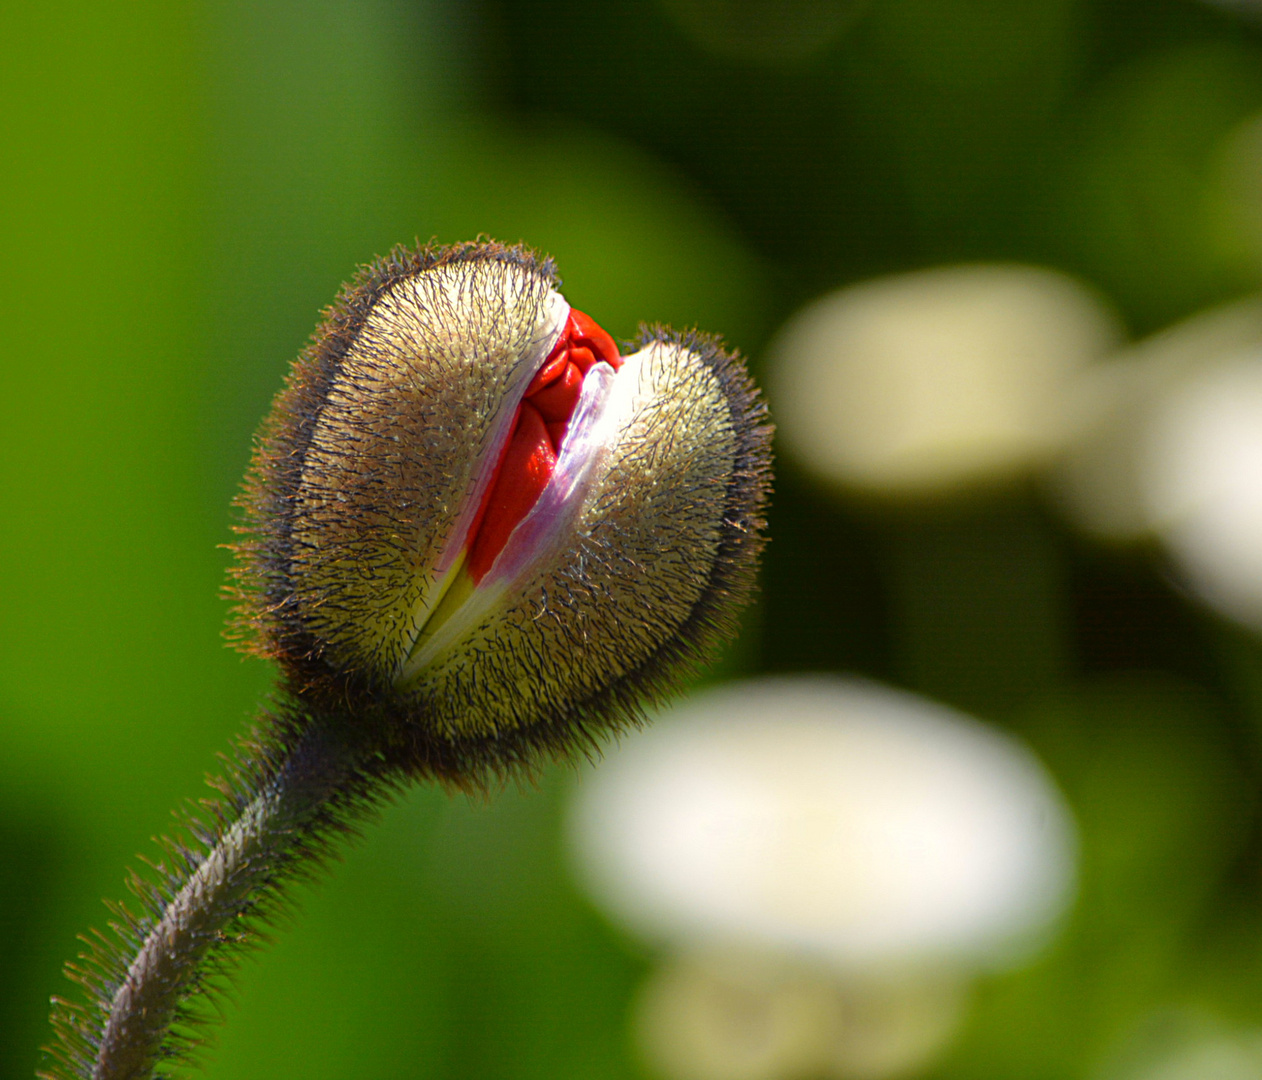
(1099, 481)
(930, 380)
(838, 818)
(739, 1015)
(1202, 482)
(827, 863)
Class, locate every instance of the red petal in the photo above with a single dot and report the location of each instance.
(528, 459)
(523, 475)
(557, 400)
(552, 368)
(582, 358)
(556, 432)
(586, 331)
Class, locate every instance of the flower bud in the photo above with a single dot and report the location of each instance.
(471, 519)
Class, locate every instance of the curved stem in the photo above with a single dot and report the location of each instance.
(284, 818)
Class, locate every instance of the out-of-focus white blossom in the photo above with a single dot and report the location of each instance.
(911, 384)
(1202, 482)
(1099, 480)
(740, 1015)
(833, 817)
(827, 863)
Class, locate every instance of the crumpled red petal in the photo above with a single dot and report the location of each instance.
(538, 431)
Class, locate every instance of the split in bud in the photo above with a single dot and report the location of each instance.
(469, 514)
(530, 455)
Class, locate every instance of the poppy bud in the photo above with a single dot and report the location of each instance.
(474, 533)
(473, 519)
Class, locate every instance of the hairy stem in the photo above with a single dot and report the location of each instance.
(288, 812)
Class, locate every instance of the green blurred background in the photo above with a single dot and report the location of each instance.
(184, 186)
